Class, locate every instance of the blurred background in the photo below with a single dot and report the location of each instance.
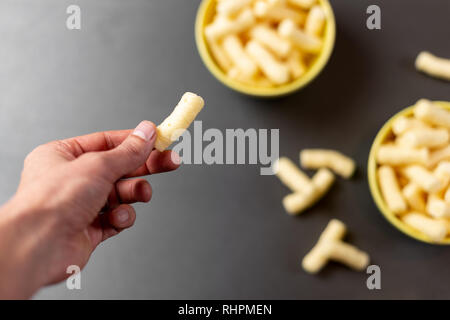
(220, 232)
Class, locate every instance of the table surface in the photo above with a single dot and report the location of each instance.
(219, 231)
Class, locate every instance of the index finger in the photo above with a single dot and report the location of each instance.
(157, 162)
(99, 141)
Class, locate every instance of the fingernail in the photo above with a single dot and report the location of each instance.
(122, 215)
(175, 158)
(145, 130)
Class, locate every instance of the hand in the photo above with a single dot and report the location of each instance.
(72, 196)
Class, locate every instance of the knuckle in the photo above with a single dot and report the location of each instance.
(37, 150)
(134, 151)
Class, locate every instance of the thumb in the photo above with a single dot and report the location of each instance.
(132, 152)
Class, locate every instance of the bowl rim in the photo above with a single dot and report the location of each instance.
(385, 130)
(291, 87)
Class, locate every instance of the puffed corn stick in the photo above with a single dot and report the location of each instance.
(349, 255)
(447, 195)
(276, 71)
(427, 111)
(306, 42)
(331, 247)
(433, 66)
(423, 178)
(391, 190)
(231, 7)
(438, 156)
(322, 181)
(414, 197)
(442, 172)
(403, 124)
(259, 81)
(424, 137)
(397, 155)
(234, 49)
(295, 64)
(225, 26)
(291, 176)
(296, 203)
(316, 259)
(315, 21)
(336, 161)
(270, 39)
(304, 4)
(220, 56)
(436, 230)
(446, 222)
(179, 120)
(273, 12)
(437, 207)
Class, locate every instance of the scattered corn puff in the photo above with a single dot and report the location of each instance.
(331, 247)
(433, 66)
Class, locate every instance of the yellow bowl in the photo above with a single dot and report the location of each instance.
(205, 15)
(373, 181)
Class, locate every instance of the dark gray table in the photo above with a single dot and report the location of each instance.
(220, 231)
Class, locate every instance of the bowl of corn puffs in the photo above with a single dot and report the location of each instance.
(409, 171)
(265, 48)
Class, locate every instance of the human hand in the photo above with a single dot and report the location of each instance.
(72, 196)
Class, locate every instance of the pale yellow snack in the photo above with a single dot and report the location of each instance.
(316, 259)
(331, 247)
(397, 155)
(304, 4)
(179, 120)
(391, 190)
(427, 111)
(271, 40)
(414, 197)
(296, 203)
(225, 26)
(235, 50)
(231, 7)
(274, 70)
(436, 230)
(349, 255)
(220, 56)
(276, 12)
(439, 155)
(447, 195)
(291, 176)
(259, 81)
(433, 66)
(442, 172)
(424, 137)
(403, 124)
(445, 222)
(315, 21)
(437, 207)
(419, 151)
(305, 42)
(284, 54)
(423, 178)
(334, 160)
(295, 64)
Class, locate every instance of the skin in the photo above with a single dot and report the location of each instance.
(73, 195)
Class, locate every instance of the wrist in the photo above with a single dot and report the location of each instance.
(20, 272)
